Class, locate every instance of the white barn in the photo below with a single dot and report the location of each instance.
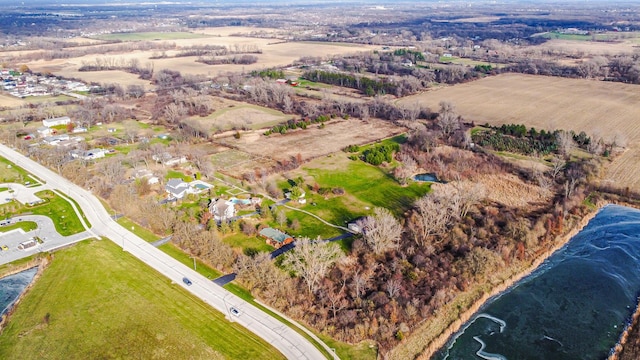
(64, 120)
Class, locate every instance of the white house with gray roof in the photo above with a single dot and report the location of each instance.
(177, 188)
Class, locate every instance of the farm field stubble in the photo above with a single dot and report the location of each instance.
(602, 109)
(316, 141)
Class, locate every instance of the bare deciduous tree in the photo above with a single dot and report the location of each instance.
(565, 142)
(281, 217)
(257, 272)
(174, 113)
(432, 214)
(311, 260)
(393, 287)
(448, 120)
(381, 231)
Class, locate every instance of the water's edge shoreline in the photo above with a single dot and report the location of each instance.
(618, 349)
(41, 264)
(440, 341)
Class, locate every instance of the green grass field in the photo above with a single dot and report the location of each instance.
(26, 226)
(120, 309)
(60, 211)
(140, 36)
(242, 241)
(365, 186)
(45, 99)
(576, 37)
(143, 233)
(10, 173)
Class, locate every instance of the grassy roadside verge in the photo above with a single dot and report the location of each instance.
(73, 311)
(210, 273)
(60, 211)
(245, 295)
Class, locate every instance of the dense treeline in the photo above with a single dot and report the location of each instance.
(517, 139)
(237, 59)
(368, 86)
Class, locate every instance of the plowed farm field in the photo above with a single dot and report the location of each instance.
(604, 109)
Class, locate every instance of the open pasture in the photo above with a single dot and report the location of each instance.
(10, 101)
(139, 36)
(315, 141)
(607, 44)
(602, 109)
(242, 116)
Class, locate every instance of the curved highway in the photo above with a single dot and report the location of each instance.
(291, 344)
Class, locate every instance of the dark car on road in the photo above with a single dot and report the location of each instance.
(186, 281)
(234, 311)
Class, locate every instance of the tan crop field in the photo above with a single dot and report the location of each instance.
(310, 143)
(275, 52)
(605, 109)
(243, 116)
(314, 141)
(10, 101)
(626, 43)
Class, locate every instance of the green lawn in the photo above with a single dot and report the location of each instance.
(44, 99)
(575, 37)
(143, 233)
(60, 211)
(26, 226)
(120, 309)
(365, 186)
(366, 350)
(173, 251)
(10, 173)
(139, 36)
(312, 227)
(171, 174)
(242, 241)
(304, 83)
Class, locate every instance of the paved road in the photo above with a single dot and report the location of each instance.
(291, 344)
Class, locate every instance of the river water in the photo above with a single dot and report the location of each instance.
(12, 286)
(574, 306)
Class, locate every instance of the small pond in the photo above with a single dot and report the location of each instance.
(12, 286)
(430, 177)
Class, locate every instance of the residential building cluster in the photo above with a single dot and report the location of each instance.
(22, 85)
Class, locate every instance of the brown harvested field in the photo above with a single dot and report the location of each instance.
(627, 46)
(244, 116)
(10, 101)
(275, 52)
(606, 109)
(310, 143)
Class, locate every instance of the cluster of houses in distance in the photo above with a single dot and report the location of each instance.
(221, 209)
(22, 85)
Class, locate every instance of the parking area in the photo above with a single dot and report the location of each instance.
(45, 231)
(12, 239)
(20, 193)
